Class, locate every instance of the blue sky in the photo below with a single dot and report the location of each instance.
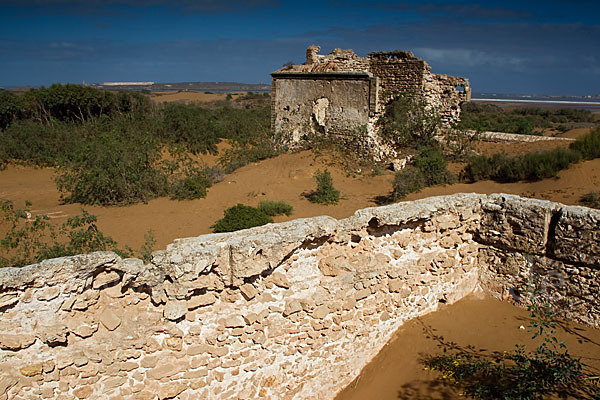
(549, 47)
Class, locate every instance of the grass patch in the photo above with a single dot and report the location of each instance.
(325, 192)
(273, 208)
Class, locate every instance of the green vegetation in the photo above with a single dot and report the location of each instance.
(409, 122)
(428, 169)
(325, 192)
(273, 208)
(532, 166)
(117, 148)
(591, 199)
(525, 120)
(243, 217)
(519, 374)
(32, 240)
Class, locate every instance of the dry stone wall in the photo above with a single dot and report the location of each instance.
(283, 311)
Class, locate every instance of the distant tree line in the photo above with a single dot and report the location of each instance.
(120, 148)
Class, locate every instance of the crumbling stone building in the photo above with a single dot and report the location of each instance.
(341, 94)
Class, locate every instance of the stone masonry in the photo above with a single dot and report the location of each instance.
(284, 311)
(344, 95)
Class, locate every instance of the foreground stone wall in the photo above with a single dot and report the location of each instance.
(291, 310)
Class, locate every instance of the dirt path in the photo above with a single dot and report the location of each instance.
(487, 324)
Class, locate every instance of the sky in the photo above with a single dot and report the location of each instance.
(544, 47)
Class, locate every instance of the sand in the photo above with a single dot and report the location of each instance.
(487, 324)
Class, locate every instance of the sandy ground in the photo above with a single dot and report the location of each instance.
(487, 324)
(287, 177)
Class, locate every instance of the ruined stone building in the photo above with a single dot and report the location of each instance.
(341, 93)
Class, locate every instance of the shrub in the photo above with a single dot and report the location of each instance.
(240, 217)
(432, 164)
(191, 187)
(325, 193)
(531, 166)
(408, 121)
(407, 181)
(588, 145)
(591, 199)
(32, 240)
(191, 126)
(273, 208)
(113, 168)
(519, 374)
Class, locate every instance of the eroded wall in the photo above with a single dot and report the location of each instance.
(291, 310)
(353, 92)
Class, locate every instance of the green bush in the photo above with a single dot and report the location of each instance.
(273, 208)
(588, 145)
(591, 199)
(549, 371)
(432, 164)
(325, 193)
(191, 187)
(240, 217)
(407, 181)
(191, 126)
(113, 168)
(408, 121)
(531, 166)
(31, 240)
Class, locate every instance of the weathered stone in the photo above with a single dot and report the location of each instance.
(307, 102)
(83, 329)
(83, 392)
(201, 300)
(105, 278)
(248, 291)
(321, 312)
(291, 307)
(53, 335)
(31, 370)
(175, 310)
(8, 299)
(170, 390)
(16, 342)
(85, 300)
(235, 321)
(47, 294)
(109, 319)
(173, 343)
(6, 382)
(280, 280)
(162, 371)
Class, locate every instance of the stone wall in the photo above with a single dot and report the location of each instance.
(381, 76)
(290, 310)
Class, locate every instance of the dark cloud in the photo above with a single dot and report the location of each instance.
(105, 6)
(465, 11)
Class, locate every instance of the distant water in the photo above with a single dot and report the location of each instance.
(587, 105)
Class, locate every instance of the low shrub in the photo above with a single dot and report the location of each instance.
(273, 208)
(325, 193)
(31, 240)
(591, 199)
(241, 217)
(531, 166)
(588, 145)
(407, 181)
(432, 164)
(191, 187)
